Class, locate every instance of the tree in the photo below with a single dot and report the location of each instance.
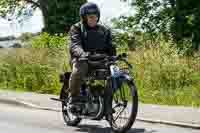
(176, 17)
(58, 15)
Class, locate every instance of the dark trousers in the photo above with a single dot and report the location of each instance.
(79, 72)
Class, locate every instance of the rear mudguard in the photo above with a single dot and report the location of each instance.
(64, 78)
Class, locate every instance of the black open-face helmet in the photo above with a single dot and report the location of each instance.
(89, 8)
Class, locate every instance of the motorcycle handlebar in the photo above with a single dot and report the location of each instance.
(118, 57)
(110, 58)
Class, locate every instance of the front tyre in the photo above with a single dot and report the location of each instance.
(125, 106)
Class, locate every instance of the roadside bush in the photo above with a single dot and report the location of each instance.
(36, 67)
(45, 40)
(165, 77)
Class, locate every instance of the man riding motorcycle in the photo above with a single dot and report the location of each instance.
(85, 37)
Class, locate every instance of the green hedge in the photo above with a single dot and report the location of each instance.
(35, 67)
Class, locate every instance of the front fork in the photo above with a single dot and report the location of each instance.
(116, 85)
(111, 86)
(108, 97)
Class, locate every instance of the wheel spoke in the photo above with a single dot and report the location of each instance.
(66, 110)
(119, 114)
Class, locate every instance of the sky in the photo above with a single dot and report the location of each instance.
(109, 9)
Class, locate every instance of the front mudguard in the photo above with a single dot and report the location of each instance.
(117, 81)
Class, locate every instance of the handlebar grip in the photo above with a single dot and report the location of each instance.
(83, 59)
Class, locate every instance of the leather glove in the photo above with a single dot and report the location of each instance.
(85, 54)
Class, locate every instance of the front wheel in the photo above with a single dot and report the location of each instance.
(125, 106)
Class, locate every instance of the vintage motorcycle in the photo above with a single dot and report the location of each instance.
(105, 72)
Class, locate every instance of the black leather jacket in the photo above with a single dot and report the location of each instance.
(97, 39)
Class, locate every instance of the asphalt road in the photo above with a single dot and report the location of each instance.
(15, 119)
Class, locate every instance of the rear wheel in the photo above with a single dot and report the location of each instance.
(125, 106)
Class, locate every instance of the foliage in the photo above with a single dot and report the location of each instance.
(179, 19)
(120, 40)
(30, 69)
(58, 15)
(133, 38)
(36, 67)
(26, 36)
(45, 40)
(165, 77)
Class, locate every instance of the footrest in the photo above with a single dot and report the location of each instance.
(56, 99)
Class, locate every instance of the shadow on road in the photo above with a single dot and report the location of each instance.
(98, 129)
